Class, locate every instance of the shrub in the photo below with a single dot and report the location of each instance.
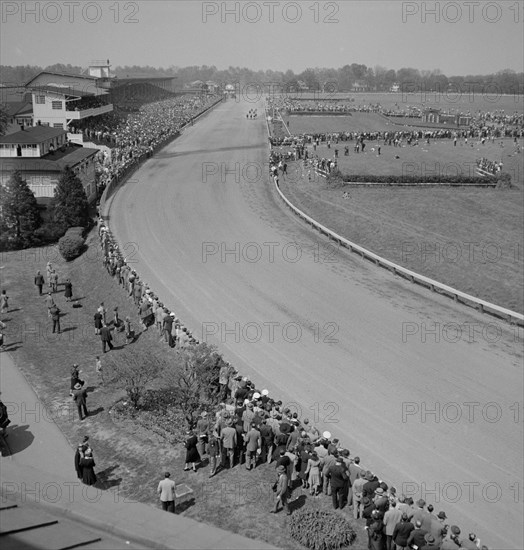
(321, 530)
(70, 246)
(132, 371)
(49, 232)
(337, 179)
(504, 181)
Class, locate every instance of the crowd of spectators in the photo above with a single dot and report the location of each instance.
(489, 166)
(250, 428)
(140, 133)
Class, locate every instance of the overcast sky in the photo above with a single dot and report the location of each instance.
(474, 37)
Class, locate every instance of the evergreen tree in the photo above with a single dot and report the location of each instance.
(3, 119)
(71, 207)
(19, 213)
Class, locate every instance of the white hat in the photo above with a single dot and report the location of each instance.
(326, 435)
(256, 395)
(265, 392)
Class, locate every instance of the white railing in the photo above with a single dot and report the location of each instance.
(512, 316)
(77, 115)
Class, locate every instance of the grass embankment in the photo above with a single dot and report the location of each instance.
(129, 458)
(427, 230)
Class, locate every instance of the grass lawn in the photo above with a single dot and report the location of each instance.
(439, 157)
(457, 100)
(428, 230)
(130, 459)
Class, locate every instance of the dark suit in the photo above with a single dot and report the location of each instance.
(417, 537)
(80, 397)
(401, 533)
(105, 336)
(339, 479)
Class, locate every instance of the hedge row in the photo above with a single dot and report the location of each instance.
(338, 178)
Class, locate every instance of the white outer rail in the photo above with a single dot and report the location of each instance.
(511, 316)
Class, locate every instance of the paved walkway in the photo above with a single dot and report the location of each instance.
(40, 469)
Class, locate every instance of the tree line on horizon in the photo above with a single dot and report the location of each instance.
(380, 79)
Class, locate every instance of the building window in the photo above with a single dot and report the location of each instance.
(56, 105)
(40, 99)
(58, 125)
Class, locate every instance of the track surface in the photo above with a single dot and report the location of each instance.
(365, 365)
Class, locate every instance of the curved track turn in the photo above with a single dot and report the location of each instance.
(365, 364)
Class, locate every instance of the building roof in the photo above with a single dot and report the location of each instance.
(35, 134)
(61, 74)
(18, 108)
(47, 163)
(61, 90)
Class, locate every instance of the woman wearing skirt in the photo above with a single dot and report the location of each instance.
(192, 454)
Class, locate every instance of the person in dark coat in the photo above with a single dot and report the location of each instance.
(87, 464)
(55, 317)
(98, 322)
(39, 281)
(402, 531)
(79, 454)
(68, 292)
(370, 486)
(80, 398)
(106, 338)
(376, 532)
(192, 454)
(339, 478)
(75, 378)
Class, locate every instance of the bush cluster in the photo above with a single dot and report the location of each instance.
(321, 530)
(71, 245)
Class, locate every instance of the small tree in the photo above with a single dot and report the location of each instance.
(132, 372)
(3, 119)
(193, 382)
(19, 214)
(71, 206)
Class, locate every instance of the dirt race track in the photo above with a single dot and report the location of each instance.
(427, 392)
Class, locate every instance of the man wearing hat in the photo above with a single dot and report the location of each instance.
(166, 490)
(402, 531)
(266, 433)
(80, 398)
(422, 515)
(358, 487)
(391, 518)
(202, 430)
(381, 501)
(417, 536)
(452, 541)
(281, 492)
(439, 528)
(247, 416)
(229, 440)
(253, 442)
(430, 543)
(371, 485)
(339, 479)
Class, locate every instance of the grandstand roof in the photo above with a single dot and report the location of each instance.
(61, 74)
(62, 91)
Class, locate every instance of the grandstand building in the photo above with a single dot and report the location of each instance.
(40, 153)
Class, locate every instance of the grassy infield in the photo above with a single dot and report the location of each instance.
(238, 500)
(425, 230)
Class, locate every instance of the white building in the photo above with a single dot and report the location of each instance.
(40, 154)
(58, 99)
